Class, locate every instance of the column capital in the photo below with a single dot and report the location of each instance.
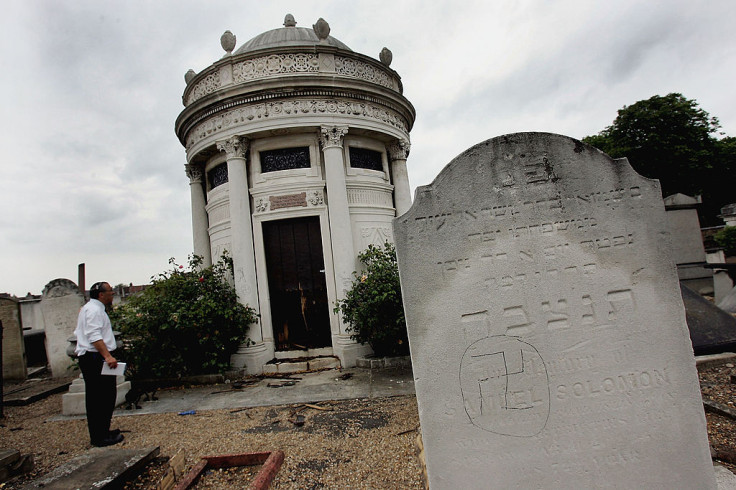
(195, 172)
(234, 147)
(331, 136)
(399, 150)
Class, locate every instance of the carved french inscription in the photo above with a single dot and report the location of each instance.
(288, 201)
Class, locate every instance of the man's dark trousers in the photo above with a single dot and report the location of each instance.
(100, 392)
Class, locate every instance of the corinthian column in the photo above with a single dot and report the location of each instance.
(341, 236)
(343, 253)
(244, 263)
(200, 222)
(399, 151)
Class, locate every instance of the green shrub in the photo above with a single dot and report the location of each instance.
(372, 307)
(187, 322)
(726, 238)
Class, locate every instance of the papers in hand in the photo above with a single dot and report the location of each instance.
(118, 371)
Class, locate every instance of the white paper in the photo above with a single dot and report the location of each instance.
(118, 371)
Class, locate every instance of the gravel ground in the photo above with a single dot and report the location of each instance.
(365, 443)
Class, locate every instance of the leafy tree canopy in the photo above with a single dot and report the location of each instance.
(672, 139)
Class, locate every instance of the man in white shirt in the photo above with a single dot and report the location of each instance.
(95, 344)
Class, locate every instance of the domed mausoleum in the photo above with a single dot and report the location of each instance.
(296, 154)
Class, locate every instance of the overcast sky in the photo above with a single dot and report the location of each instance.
(92, 171)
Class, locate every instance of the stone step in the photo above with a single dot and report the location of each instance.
(301, 364)
(97, 468)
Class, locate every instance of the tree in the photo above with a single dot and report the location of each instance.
(672, 139)
(189, 321)
(726, 238)
(373, 307)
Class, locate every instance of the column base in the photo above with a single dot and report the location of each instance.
(348, 350)
(252, 358)
(72, 403)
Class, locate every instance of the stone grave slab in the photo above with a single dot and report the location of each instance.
(547, 331)
(104, 467)
(60, 304)
(14, 354)
(712, 330)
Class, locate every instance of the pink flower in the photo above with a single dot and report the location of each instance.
(181, 267)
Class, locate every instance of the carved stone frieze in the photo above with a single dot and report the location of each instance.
(315, 198)
(194, 172)
(275, 64)
(210, 84)
(370, 197)
(234, 147)
(399, 150)
(376, 235)
(261, 205)
(292, 108)
(219, 213)
(359, 69)
(331, 136)
(279, 64)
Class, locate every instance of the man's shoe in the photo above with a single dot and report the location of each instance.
(109, 441)
(113, 433)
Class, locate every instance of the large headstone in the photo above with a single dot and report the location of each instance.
(547, 332)
(14, 354)
(60, 304)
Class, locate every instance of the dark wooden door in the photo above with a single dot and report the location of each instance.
(296, 283)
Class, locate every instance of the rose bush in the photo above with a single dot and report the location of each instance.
(373, 306)
(189, 321)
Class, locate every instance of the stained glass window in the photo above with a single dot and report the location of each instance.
(218, 175)
(285, 159)
(368, 159)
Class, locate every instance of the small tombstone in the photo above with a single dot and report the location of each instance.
(60, 304)
(14, 353)
(547, 332)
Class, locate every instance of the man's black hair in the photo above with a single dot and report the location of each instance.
(95, 290)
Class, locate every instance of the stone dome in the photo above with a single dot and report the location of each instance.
(288, 36)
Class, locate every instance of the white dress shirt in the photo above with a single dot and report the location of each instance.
(93, 324)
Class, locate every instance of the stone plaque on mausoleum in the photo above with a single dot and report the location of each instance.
(547, 331)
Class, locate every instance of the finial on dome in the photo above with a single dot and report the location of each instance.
(189, 75)
(227, 41)
(289, 21)
(386, 56)
(322, 29)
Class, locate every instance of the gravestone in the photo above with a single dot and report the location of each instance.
(547, 333)
(60, 304)
(14, 353)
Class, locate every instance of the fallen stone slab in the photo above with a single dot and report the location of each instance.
(97, 468)
(32, 391)
(712, 330)
(719, 408)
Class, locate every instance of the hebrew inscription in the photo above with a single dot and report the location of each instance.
(545, 322)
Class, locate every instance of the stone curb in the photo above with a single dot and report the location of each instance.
(381, 362)
(713, 360)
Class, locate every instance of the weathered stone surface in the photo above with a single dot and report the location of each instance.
(98, 468)
(712, 330)
(14, 353)
(60, 304)
(547, 331)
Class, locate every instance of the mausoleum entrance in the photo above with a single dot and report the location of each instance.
(296, 283)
